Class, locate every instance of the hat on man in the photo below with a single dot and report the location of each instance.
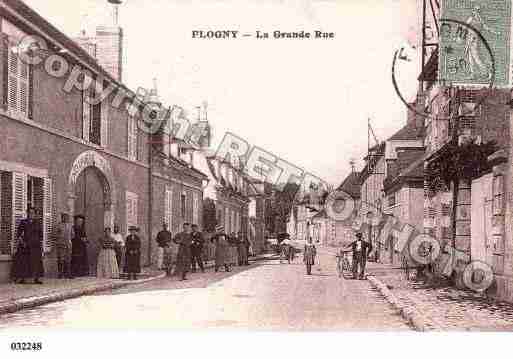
(132, 228)
(77, 216)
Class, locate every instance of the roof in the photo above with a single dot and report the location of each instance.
(52, 32)
(351, 185)
(408, 172)
(408, 132)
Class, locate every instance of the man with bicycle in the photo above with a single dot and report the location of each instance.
(361, 250)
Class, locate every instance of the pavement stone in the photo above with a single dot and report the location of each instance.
(445, 308)
(16, 297)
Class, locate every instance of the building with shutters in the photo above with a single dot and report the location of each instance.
(230, 190)
(59, 153)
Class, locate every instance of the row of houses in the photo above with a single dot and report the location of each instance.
(447, 172)
(61, 154)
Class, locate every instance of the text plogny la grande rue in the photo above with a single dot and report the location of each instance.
(261, 34)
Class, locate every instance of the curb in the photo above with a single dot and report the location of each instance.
(36, 301)
(408, 313)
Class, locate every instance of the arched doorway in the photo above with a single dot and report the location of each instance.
(92, 193)
(90, 202)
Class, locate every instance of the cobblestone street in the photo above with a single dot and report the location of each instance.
(447, 308)
(266, 295)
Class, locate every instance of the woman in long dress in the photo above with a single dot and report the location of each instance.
(107, 266)
(309, 255)
(132, 253)
(221, 252)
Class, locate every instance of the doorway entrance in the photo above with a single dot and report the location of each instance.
(91, 193)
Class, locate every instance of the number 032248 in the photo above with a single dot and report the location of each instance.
(26, 346)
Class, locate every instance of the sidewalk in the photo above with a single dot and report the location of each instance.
(15, 297)
(443, 308)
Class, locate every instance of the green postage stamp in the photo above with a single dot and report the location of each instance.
(475, 42)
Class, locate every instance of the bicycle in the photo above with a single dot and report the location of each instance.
(344, 265)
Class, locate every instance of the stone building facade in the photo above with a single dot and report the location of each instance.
(60, 154)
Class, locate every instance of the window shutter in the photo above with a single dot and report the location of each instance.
(24, 87)
(129, 137)
(19, 196)
(129, 211)
(169, 207)
(86, 115)
(12, 79)
(134, 211)
(4, 48)
(104, 118)
(48, 240)
(30, 92)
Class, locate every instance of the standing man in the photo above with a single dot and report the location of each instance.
(197, 248)
(183, 258)
(30, 231)
(164, 238)
(361, 250)
(133, 253)
(221, 252)
(244, 243)
(64, 236)
(79, 260)
(309, 255)
(119, 245)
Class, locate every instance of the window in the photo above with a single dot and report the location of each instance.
(183, 202)
(132, 138)
(94, 116)
(227, 220)
(391, 200)
(17, 192)
(168, 205)
(131, 210)
(18, 83)
(195, 208)
(219, 216)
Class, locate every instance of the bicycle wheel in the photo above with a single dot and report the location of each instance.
(340, 269)
(346, 267)
(405, 268)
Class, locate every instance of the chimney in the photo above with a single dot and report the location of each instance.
(86, 42)
(109, 44)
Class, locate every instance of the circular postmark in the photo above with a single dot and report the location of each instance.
(457, 36)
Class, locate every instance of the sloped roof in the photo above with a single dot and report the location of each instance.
(408, 132)
(351, 185)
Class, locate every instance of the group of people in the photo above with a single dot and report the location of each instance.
(72, 251)
(359, 248)
(73, 256)
(229, 250)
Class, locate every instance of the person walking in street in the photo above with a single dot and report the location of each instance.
(119, 246)
(30, 232)
(233, 250)
(79, 260)
(244, 248)
(107, 265)
(64, 236)
(183, 258)
(361, 250)
(132, 253)
(164, 238)
(309, 255)
(197, 249)
(221, 250)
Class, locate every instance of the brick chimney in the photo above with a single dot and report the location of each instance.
(106, 46)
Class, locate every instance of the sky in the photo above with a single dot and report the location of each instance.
(305, 101)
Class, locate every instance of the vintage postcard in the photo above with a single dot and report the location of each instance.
(272, 165)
